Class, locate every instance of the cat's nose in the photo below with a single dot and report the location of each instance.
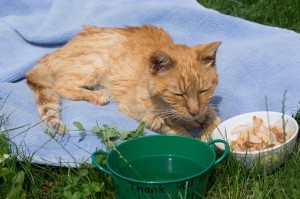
(194, 112)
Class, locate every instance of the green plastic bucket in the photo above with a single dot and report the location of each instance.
(161, 166)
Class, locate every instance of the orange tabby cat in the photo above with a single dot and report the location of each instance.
(167, 86)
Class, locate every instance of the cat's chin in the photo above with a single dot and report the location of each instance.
(190, 118)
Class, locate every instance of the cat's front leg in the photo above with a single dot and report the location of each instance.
(209, 122)
(75, 91)
(160, 125)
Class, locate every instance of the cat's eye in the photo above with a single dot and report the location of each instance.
(203, 91)
(180, 94)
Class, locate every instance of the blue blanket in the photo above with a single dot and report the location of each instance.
(257, 64)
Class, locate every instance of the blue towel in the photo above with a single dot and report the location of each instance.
(257, 64)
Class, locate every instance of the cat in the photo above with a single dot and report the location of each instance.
(166, 85)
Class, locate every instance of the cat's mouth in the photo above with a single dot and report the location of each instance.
(191, 118)
(175, 116)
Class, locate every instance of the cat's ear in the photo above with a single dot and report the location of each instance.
(207, 53)
(160, 62)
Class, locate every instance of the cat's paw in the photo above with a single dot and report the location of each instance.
(101, 102)
(205, 137)
(59, 127)
(208, 128)
(56, 127)
(100, 99)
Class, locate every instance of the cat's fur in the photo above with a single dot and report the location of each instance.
(153, 80)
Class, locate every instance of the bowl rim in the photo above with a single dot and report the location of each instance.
(286, 117)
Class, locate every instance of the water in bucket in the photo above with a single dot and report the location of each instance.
(160, 168)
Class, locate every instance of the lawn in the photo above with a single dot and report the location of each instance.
(284, 14)
(228, 180)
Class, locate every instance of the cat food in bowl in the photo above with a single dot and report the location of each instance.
(259, 139)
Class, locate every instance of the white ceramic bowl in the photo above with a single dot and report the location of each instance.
(264, 160)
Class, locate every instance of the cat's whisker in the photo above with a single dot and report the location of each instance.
(164, 112)
(213, 105)
(178, 118)
(174, 117)
(170, 116)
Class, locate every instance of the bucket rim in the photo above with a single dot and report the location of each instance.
(206, 170)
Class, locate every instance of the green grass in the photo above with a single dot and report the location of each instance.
(27, 180)
(228, 180)
(284, 14)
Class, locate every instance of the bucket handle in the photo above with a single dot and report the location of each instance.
(225, 151)
(97, 164)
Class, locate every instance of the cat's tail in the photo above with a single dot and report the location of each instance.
(40, 81)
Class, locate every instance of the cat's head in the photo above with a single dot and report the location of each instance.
(182, 80)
